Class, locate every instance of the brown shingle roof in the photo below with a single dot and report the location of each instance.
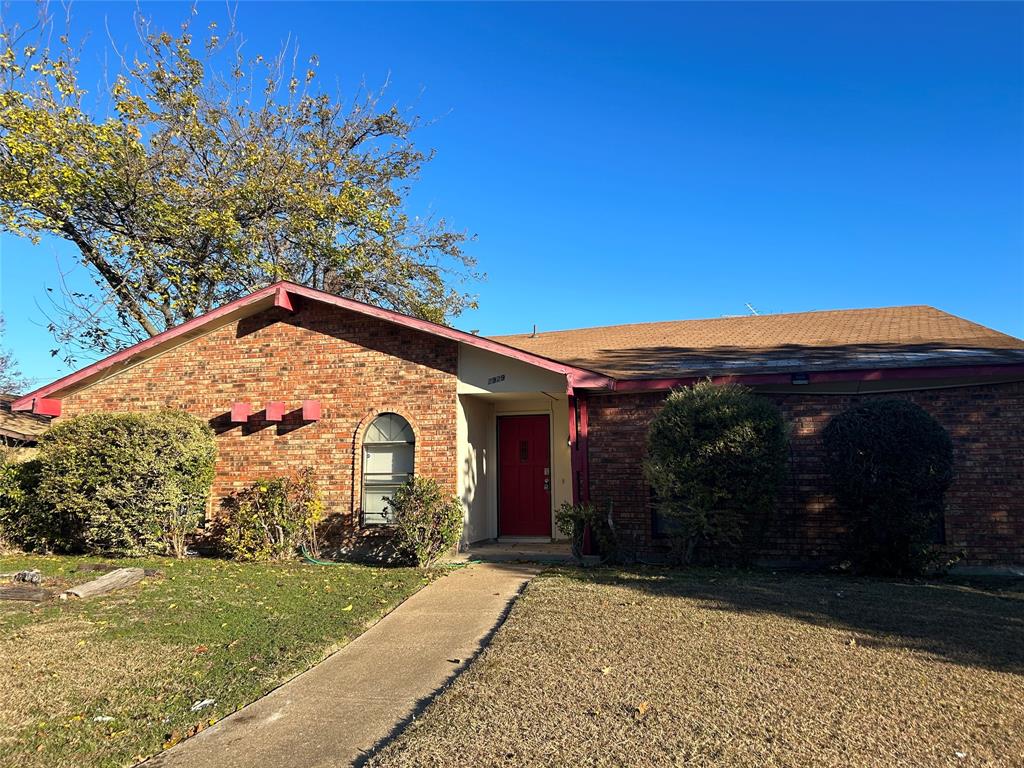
(20, 426)
(888, 337)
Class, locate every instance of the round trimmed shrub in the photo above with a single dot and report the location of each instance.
(716, 457)
(890, 464)
(123, 483)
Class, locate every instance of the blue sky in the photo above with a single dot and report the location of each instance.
(624, 163)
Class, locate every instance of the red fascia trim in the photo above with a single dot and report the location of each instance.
(933, 372)
(583, 438)
(822, 377)
(580, 459)
(285, 292)
(574, 459)
(580, 379)
(579, 430)
(45, 406)
(25, 403)
(283, 300)
(657, 385)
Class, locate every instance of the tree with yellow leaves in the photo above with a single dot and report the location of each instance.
(204, 174)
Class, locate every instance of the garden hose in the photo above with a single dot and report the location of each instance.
(310, 559)
(315, 561)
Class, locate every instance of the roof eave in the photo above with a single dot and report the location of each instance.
(279, 294)
(826, 376)
(592, 378)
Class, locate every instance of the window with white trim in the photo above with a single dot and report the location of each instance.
(389, 450)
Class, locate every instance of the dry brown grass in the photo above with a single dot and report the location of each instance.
(56, 672)
(702, 668)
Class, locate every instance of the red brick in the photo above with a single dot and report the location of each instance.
(984, 505)
(355, 366)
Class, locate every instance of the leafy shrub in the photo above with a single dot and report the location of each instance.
(574, 519)
(274, 518)
(18, 481)
(890, 464)
(716, 456)
(122, 483)
(428, 521)
(12, 494)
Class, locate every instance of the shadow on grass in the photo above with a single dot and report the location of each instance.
(963, 624)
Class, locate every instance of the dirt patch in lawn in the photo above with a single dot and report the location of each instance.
(706, 668)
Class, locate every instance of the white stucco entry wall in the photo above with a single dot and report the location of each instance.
(490, 386)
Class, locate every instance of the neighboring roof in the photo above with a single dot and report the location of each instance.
(852, 339)
(25, 427)
(282, 294)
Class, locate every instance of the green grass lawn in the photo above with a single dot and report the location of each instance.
(655, 667)
(111, 680)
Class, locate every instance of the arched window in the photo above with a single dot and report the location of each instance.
(389, 449)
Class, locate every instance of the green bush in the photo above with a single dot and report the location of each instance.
(428, 521)
(273, 519)
(18, 481)
(890, 463)
(716, 456)
(574, 519)
(122, 483)
(12, 497)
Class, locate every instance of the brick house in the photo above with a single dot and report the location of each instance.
(516, 425)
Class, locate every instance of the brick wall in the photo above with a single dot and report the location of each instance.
(355, 365)
(984, 506)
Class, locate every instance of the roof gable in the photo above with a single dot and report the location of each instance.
(284, 295)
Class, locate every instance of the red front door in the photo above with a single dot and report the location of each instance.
(524, 479)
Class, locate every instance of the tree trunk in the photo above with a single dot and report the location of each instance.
(21, 591)
(691, 550)
(117, 285)
(119, 579)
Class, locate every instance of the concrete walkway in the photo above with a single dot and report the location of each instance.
(549, 552)
(335, 713)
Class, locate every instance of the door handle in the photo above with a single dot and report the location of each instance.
(547, 484)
